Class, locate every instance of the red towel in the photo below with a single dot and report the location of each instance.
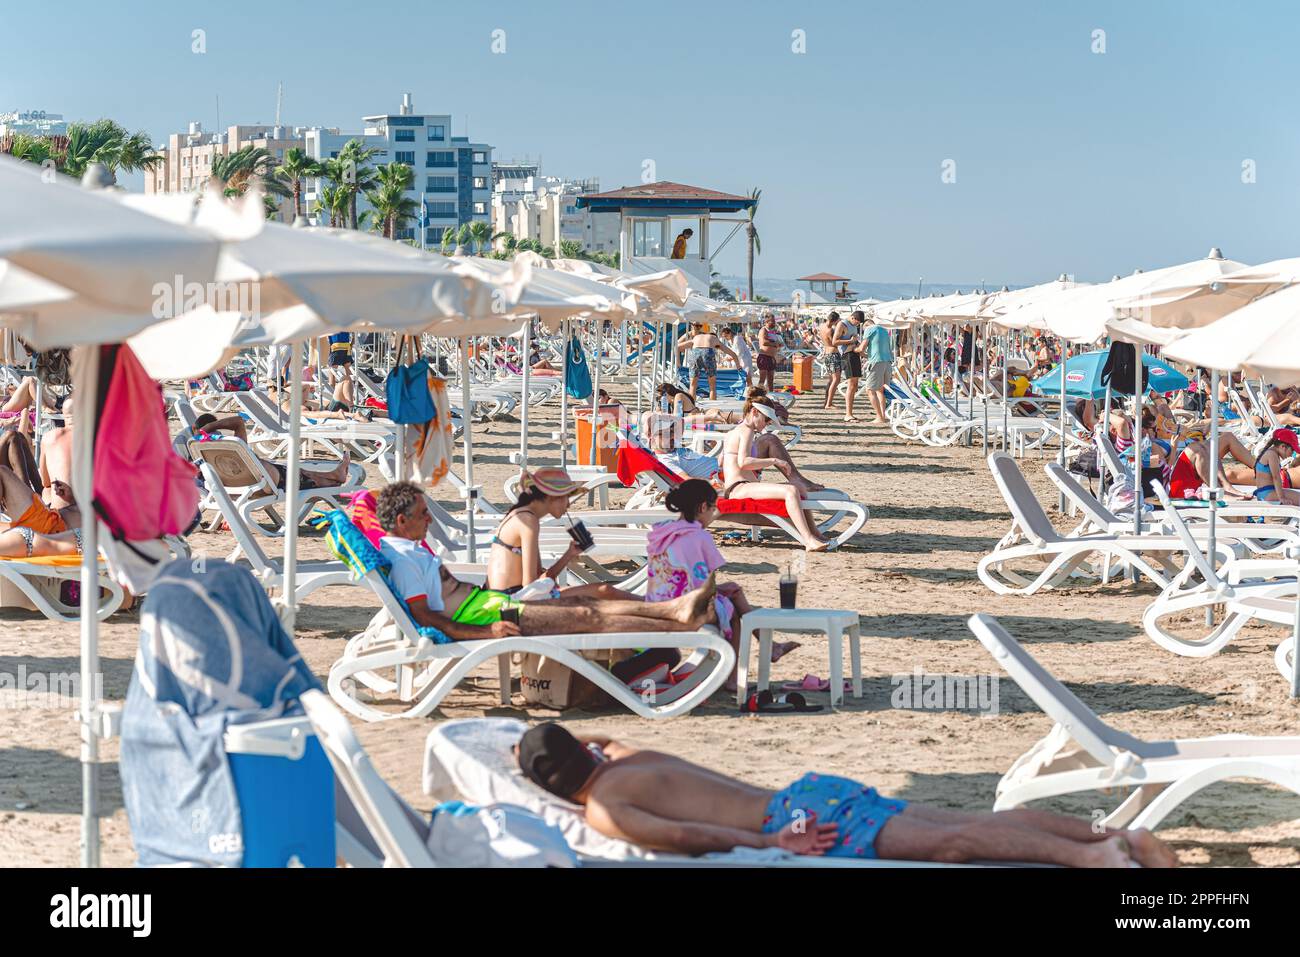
(632, 460)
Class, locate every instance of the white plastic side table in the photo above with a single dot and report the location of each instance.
(833, 622)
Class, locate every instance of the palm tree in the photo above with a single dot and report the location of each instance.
(752, 242)
(108, 143)
(246, 166)
(392, 207)
(296, 167)
(571, 249)
(23, 146)
(357, 174)
(464, 237)
(326, 203)
(448, 245)
(511, 244)
(481, 233)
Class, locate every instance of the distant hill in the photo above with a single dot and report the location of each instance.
(779, 290)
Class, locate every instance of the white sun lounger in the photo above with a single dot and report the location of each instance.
(427, 672)
(1033, 538)
(41, 582)
(1164, 773)
(1261, 589)
(472, 759)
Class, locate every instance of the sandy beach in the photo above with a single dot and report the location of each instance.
(911, 577)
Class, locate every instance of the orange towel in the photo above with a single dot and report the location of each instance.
(41, 518)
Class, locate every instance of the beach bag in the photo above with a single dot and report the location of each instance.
(1085, 464)
(1121, 368)
(499, 835)
(577, 377)
(407, 391)
(143, 490)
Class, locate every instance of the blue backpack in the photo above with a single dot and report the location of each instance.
(407, 391)
(577, 377)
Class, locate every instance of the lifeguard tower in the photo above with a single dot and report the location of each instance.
(827, 287)
(652, 216)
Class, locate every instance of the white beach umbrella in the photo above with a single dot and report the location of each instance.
(93, 245)
(1183, 305)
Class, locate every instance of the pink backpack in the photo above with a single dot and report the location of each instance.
(143, 489)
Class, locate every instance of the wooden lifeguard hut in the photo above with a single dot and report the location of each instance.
(828, 287)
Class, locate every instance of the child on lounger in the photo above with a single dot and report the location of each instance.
(682, 554)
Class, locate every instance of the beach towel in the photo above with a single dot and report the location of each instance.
(680, 557)
(430, 445)
(631, 460)
(212, 654)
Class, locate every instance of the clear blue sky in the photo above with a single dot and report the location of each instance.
(1066, 160)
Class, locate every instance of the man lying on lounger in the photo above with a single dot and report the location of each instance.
(208, 424)
(466, 612)
(666, 804)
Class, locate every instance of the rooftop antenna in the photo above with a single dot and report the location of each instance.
(279, 101)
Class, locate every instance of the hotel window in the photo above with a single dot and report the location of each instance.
(443, 210)
(404, 136)
(407, 158)
(440, 158)
(185, 161)
(437, 134)
(480, 182)
(440, 184)
(481, 208)
(480, 157)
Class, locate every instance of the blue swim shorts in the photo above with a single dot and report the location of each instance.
(859, 811)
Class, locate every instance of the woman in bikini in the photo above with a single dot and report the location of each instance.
(741, 465)
(516, 558)
(35, 530)
(683, 404)
(1272, 481)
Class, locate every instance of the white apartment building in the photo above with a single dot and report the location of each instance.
(188, 157)
(453, 177)
(529, 205)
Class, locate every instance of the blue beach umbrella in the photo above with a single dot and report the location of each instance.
(1083, 377)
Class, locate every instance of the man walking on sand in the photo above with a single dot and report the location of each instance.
(879, 367)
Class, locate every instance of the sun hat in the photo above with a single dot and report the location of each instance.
(550, 481)
(1287, 437)
(767, 410)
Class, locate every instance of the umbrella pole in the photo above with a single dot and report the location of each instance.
(984, 379)
(1214, 480)
(471, 493)
(1137, 450)
(640, 366)
(288, 594)
(523, 415)
(1105, 426)
(83, 467)
(1060, 506)
(595, 395)
(564, 396)
(1006, 373)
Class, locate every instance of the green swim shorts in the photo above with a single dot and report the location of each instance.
(484, 607)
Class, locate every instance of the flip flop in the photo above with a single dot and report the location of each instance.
(764, 702)
(809, 683)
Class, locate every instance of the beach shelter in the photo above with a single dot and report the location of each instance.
(1083, 374)
(1182, 305)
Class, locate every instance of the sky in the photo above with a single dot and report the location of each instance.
(1007, 142)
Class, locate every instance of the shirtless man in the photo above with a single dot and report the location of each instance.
(664, 803)
(745, 451)
(769, 350)
(465, 612)
(702, 359)
(56, 459)
(830, 355)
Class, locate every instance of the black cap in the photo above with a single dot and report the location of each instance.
(554, 759)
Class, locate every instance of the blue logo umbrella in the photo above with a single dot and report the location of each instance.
(1083, 377)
